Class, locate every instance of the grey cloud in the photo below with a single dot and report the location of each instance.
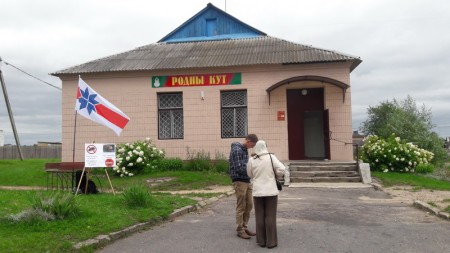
(404, 46)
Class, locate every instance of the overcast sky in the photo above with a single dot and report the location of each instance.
(404, 45)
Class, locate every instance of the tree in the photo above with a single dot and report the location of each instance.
(407, 121)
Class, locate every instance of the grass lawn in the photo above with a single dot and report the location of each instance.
(417, 180)
(99, 214)
(31, 173)
(24, 173)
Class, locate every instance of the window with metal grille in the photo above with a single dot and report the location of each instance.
(234, 113)
(170, 116)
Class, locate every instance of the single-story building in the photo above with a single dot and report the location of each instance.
(212, 81)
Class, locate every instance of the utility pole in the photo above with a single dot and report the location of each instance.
(11, 118)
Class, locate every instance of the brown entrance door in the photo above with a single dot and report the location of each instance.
(307, 124)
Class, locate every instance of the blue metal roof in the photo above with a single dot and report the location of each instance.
(211, 23)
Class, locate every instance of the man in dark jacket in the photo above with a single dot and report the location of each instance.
(241, 182)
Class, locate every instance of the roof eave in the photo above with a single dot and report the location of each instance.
(355, 63)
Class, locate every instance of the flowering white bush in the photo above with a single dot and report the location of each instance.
(134, 158)
(393, 155)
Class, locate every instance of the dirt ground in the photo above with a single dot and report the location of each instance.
(407, 194)
(23, 188)
(211, 189)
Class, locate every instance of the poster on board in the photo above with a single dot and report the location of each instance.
(99, 155)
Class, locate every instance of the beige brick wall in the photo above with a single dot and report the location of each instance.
(133, 94)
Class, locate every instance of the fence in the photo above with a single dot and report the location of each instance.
(30, 152)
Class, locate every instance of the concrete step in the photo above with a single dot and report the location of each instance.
(323, 171)
(322, 168)
(325, 179)
(320, 163)
(304, 174)
(336, 185)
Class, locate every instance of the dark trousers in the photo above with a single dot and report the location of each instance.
(266, 220)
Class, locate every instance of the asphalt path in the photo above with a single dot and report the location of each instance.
(309, 220)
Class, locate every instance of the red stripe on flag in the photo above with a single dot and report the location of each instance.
(78, 93)
(111, 116)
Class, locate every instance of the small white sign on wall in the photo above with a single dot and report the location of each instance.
(99, 155)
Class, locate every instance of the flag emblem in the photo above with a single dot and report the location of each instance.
(87, 101)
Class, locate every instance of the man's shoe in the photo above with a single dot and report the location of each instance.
(243, 235)
(250, 233)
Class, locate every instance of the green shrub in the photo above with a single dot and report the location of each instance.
(172, 164)
(198, 165)
(31, 216)
(410, 122)
(424, 168)
(222, 166)
(61, 205)
(199, 161)
(136, 196)
(137, 157)
(393, 155)
(221, 163)
(57, 206)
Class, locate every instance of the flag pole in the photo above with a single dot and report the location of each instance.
(74, 135)
(75, 128)
(73, 149)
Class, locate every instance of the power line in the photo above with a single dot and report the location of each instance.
(32, 75)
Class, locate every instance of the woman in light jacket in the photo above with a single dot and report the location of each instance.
(265, 193)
